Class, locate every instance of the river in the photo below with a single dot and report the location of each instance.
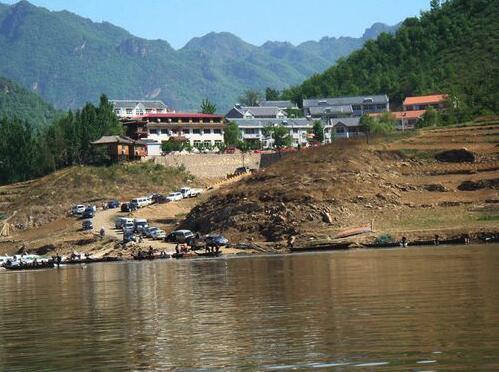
(400, 309)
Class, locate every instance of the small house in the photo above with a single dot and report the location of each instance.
(121, 148)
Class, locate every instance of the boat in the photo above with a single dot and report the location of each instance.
(25, 266)
(209, 254)
(322, 247)
(183, 255)
(89, 260)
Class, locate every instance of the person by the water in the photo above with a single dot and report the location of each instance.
(403, 242)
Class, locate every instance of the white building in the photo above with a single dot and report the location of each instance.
(133, 108)
(300, 130)
(197, 129)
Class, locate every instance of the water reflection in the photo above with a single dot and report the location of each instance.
(396, 308)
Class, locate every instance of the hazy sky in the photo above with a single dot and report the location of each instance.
(256, 21)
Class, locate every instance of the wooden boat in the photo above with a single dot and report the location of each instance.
(30, 266)
(150, 258)
(209, 254)
(353, 231)
(184, 255)
(89, 260)
(322, 247)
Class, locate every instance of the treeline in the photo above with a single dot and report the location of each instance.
(454, 49)
(26, 152)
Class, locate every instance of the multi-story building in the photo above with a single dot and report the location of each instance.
(300, 130)
(197, 129)
(256, 112)
(339, 107)
(132, 108)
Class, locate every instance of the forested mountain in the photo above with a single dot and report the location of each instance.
(70, 60)
(18, 102)
(454, 48)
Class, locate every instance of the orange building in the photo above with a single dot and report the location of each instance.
(437, 101)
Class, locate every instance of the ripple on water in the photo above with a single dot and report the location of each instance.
(346, 309)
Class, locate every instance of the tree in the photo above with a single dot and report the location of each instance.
(250, 98)
(232, 134)
(318, 130)
(272, 94)
(430, 118)
(207, 107)
(279, 134)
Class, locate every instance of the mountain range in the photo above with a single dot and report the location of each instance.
(69, 60)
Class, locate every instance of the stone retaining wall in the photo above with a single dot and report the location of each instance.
(209, 165)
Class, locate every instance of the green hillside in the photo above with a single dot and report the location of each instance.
(453, 48)
(70, 60)
(18, 102)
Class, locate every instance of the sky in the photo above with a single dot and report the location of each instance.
(256, 21)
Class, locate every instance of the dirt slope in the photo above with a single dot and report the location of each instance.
(399, 185)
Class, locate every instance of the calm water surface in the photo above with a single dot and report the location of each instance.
(412, 309)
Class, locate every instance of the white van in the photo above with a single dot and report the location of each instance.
(140, 202)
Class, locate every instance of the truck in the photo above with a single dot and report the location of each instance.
(188, 192)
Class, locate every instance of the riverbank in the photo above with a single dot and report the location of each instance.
(402, 188)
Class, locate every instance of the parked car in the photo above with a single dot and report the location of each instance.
(78, 209)
(140, 224)
(120, 221)
(87, 225)
(128, 236)
(113, 204)
(141, 202)
(128, 226)
(187, 192)
(128, 207)
(89, 212)
(174, 196)
(241, 170)
(160, 199)
(216, 240)
(158, 234)
(149, 230)
(179, 236)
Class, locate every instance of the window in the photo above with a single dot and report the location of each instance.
(196, 131)
(186, 131)
(197, 143)
(139, 112)
(153, 131)
(356, 107)
(117, 111)
(129, 111)
(207, 143)
(217, 131)
(148, 111)
(207, 131)
(295, 131)
(340, 130)
(218, 143)
(380, 107)
(164, 131)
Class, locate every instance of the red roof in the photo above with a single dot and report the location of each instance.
(181, 115)
(425, 100)
(416, 114)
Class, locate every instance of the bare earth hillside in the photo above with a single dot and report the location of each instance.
(400, 186)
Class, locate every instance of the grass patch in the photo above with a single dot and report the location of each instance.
(494, 217)
(418, 154)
